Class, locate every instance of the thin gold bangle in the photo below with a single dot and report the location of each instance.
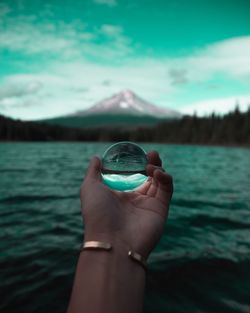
(138, 258)
(99, 245)
(96, 245)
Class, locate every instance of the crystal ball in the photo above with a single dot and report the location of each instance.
(124, 166)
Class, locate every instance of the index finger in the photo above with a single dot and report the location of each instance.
(94, 169)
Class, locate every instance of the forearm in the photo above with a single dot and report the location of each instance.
(108, 282)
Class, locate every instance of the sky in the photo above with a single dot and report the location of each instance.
(57, 57)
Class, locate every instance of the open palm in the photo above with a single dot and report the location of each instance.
(135, 219)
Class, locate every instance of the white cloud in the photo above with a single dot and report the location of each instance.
(230, 57)
(22, 36)
(19, 89)
(110, 3)
(151, 78)
(28, 35)
(218, 105)
(75, 41)
(111, 30)
(69, 81)
(78, 85)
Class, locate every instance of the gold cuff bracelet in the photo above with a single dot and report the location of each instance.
(99, 245)
(96, 245)
(138, 258)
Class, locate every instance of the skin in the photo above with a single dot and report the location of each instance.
(129, 221)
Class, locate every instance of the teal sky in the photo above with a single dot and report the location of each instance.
(57, 57)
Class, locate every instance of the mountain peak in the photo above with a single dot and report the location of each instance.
(127, 102)
(127, 93)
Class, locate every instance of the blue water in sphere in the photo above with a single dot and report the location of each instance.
(124, 166)
(124, 182)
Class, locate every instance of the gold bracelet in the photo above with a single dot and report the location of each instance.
(138, 258)
(99, 245)
(96, 245)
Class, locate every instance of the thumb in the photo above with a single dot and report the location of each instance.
(94, 169)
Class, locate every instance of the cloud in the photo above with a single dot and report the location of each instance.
(110, 3)
(76, 70)
(10, 90)
(79, 83)
(111, 30)
(229, 57)
(218, 105)
(106, 82)
(79, 89)
(22, 35)
(19, 95)
(178, 76)
(76, 40)
(31, 36)
(76, 86)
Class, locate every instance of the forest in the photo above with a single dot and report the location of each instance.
(230, 129)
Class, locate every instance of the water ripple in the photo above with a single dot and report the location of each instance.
(201, 264)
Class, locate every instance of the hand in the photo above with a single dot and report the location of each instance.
(134, 220)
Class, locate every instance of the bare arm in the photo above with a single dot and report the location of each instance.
(109, 281)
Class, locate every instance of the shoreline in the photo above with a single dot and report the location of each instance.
(247, 145)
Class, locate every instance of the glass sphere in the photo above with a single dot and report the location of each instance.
(124, 166)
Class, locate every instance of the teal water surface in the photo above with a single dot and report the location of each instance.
(202, 263)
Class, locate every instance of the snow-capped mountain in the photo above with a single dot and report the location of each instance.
(127, 102)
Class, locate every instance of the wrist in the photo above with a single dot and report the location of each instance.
(116, 258)
(115, 283)
(106, 246)
(115, 240)
(118, 243)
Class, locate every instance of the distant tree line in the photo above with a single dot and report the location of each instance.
(230, 129)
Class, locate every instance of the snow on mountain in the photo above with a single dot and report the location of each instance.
(127, 102)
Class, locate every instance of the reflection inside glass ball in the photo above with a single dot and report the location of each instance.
(124, 166)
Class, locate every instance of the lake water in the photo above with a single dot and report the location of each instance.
(202, 263)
